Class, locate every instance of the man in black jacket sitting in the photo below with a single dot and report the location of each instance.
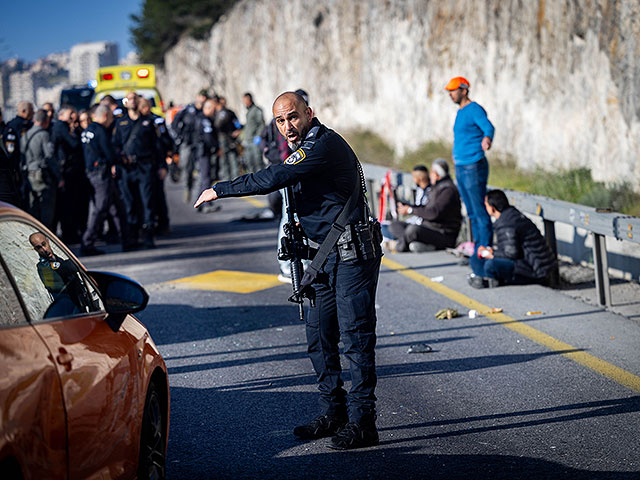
(439, 218)
(521, 256)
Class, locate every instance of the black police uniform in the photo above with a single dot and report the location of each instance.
(99, 157)
(62, 280)
(19, 127)
(70, 197)
(205, 145)
(165, 148)
(9, 167)
(183, 127)
(136, 144)
(324, 172)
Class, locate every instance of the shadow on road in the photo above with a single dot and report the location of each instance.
(247, 434)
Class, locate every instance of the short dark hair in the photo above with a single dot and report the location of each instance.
(420, 168)
(109, 100)
(248, 95)
(498, 200)
(40, 116)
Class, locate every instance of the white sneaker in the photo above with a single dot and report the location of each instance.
(418, 247)
(284, 278)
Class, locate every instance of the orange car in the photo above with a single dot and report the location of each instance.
(84, 391)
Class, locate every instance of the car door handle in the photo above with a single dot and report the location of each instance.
(65, 358)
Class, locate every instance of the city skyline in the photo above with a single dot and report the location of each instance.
(64, 25)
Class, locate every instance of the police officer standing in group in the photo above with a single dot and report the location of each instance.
(17, 127)
(183, 128)
(10, 177)
(135, 142)
(206, 148)
(165, 148)
(100, 162)
(325, 174)
(69, 204)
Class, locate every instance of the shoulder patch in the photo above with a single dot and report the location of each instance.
(159, 120)
(295, 158)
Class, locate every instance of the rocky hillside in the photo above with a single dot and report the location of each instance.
(560, 79)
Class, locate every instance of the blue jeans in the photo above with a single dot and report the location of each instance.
(502, 269)
(498, 268)
(472, 185)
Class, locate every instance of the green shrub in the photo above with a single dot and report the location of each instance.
(575, 185)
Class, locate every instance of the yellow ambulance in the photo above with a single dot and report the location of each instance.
(118, 80)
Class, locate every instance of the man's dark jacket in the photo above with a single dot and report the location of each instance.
(442, 211)
(520, 240)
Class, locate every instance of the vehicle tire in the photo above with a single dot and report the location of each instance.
(151, 464)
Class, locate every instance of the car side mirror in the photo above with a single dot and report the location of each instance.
(121, 296)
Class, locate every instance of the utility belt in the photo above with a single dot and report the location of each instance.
(360, 241)
(133, 160)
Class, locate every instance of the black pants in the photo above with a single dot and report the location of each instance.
(345, 310)
(104, 195)
(406, 233)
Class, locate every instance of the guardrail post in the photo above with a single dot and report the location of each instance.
(550, 237)
(372, 196)
(601, 269)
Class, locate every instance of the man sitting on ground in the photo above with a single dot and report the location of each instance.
(439, 219)
(521, 256)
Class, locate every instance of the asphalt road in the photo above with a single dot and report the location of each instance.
(552, 395)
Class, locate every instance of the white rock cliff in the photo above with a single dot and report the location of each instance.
(560, 79)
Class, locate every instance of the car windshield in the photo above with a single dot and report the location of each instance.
(80, 98)
(118, 95)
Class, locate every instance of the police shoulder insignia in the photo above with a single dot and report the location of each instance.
(55, 265)
(295, 158)
(159, 120)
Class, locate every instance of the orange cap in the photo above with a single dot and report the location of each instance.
(456, 83)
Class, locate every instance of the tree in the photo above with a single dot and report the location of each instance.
(162, 23)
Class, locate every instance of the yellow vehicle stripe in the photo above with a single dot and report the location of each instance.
(596, 364)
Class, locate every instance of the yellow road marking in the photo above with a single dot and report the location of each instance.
(228, 281)
(596, 364)
(254, 201)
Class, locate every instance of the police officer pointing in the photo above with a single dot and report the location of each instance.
(324, 172)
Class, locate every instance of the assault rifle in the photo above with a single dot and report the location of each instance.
(294, 248)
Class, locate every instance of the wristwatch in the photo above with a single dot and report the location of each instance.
(410, 211)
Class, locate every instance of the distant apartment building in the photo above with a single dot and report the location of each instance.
(23, 86)
(86, 58)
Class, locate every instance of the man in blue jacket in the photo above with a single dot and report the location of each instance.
(472, 137)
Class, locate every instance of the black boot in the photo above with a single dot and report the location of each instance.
(147, 237)
(356, 435)
(320, 427)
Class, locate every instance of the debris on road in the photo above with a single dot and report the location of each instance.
(536, 312)
(420, 348)
(437, 279)
(447, 313)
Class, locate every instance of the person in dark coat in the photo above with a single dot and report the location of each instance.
(437, 222)
(521, 256)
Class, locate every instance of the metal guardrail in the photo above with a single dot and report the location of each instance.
(599, 223)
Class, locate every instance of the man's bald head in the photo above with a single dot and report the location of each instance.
(40, 243)
(25, 110)
(293, 117)
(291, 97)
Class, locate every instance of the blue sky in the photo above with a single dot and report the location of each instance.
(31, 29)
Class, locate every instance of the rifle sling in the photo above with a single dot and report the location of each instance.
(332, 237)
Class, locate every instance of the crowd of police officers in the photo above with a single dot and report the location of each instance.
(116, 157)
